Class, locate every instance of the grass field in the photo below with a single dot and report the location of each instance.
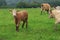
(40, 27)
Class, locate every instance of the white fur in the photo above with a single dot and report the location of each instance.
(58, 7)
(14, 12)
(17, 25)
(56, 14)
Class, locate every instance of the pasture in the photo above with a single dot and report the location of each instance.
(40, 27)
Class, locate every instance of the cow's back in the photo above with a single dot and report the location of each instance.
(45, 6)
(22, 15)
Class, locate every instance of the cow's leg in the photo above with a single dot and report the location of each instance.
(44, 11)
(47, 11)
(17, 22)
(55, 26)
(26, 23)
(23, 24)
(17, 25)
(41, 11)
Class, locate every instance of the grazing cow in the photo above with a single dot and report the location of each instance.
(45, 7)
(20, 16)
(55, 14)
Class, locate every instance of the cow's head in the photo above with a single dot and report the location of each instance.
(13, 11)
(51, 14)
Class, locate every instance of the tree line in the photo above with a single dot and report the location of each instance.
(34, 4)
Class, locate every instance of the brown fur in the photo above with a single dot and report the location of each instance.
(45, 7)
(21, 16)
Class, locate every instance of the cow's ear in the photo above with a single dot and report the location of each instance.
(10, 10)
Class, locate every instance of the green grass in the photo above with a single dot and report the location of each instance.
(40, 27)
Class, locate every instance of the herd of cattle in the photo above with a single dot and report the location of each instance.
(23, 15)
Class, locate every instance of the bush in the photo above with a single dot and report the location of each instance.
(27, 5)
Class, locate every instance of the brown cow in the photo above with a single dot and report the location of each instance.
(45, 7)
(20, 16)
